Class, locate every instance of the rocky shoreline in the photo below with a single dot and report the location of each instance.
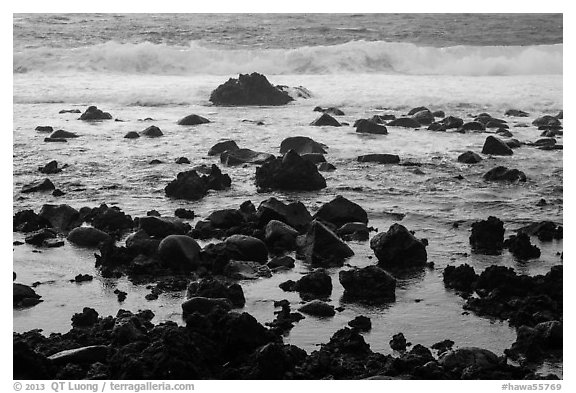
(218, 340)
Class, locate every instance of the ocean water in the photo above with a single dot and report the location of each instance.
(165, 66)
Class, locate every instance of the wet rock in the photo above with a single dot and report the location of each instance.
(82, 278)
(316, 284)
(516, 113)
(152, 132)
(37, 238)
(58, 192)
(462, 358)
(487, 236)
(369, 127)
(469, 157)
(60, 140)
(192, 120)
(84, 355)
(513, 143)
(294, 214)
(244, 156)
(321, 247)
(443, 346)
(132, 135)
(213, 288)
(225, 218)
(331, 111)
(38, 186)
(424, 117)
(179, 252)
(398, 342)
(184, 213)
(547, 121)
(496, 146)
(438, 114)
(291, 172)
(109, 219)
(370, 284)
(162, 226)
(354, 231)
(246, 270)
(247, 248)
(504, 132)
(155, 162)
(93, 113)
(279, 235)
(436, 126)
(141, 243)
(302, 145)
(70, 111)
(24, 296)
(87, 236)
(318, 308)
(281, 262)
(28, 221)
(44, 129)
(460, 278)
(61, 217)
(87, 317)
(406, 122)
(545, 230)
(50, 168)
(501, 173)
(537, 343)
(182, 160)
(520, 246)
(61, 134)
(340, 211)
(205, 305)
(221, 147)
(253, 89)
(362, 323)
(325, 120)
(398, 247)
(314, 158)
(545, 142)
(326, 167)
(380, 158)
(472, 126)
(121, 295)
(451, 122)
(189, 185)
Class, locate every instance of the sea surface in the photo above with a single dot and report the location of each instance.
(164, 66)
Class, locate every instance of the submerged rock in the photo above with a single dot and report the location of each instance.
(93, 113)
(179, 252)
(44, 129)
(318, 308)
(38, 186)
(516, 113)
(398, 247)
(331, 110)
(50, 168)
(192, 120)
(221, 147)
(370, 127)
(132, 135)
(290, 172)
(87, 236)
(326, 120)
(61, 134)
(189, 185)
(501, 173)
(380, 158)
(301, 145)
(249, 89)
(244, 156)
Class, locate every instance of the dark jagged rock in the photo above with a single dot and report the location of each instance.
(302, 145)
(182, 160)
(179, 252)
(213, 288)
(247, 248)
(513, 143)
(189, 185)
(487, 236)
(221, 147)
(424, 117)
(398, 247)
(58, 192)
(437, 126)
(380, 158)
(152, 132)
(331, 110)
(358, 231)
(406, 122)
(321, 247)
(315, 158)
(340, 211)
(318, 308)
(469, 157)
(438, 114)
(38, 186)
(132, 135)
(192, 120)
(443, 346)
(61, 134)
(87, 236)
(504, 133)
(253, 89)
(24, 296)
(294, 214)
(93, 113)
(280, 235)
(560, 115)
(161, 227)
(290, 172)
(362, 323)
(244, 156)
(326, 167)
(369, 127)
(370, 284)
(281, 262)
(516, 113)
(413, 111)
(537, 343)
(501, 173)
(460, 278)
(50, 168)
(496, 146)
(547, 121)
(463, 358)
(520, 246)
(184, 213)
(38, 238)
(398, 342)
(316, 284)
(544, 230)
(44, 129)
(70, 111)
(205, 305)
(111, 220)
(472, 126)
(28, 221)
(452, 122)
(61, 217)
(326, 120)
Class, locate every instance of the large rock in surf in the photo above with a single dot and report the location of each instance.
(290, 172)
(294, 214)
(244, 156)
(501, 173)
(24, 296)
(520, 246)
(38, 186)
(413, 111)
(340, 211)
(50, 168)
(471, 126)
(314, 284)
(221, 147)
(380, 158)
(469, 157)
(370, 284)
(496, 147)
(487, 236)
(162, 226)
(280, 235)
(318, 308)
(326, 120)
(516, 113)
(472, 357)
(189, 185)
(93, 113)
(87, 236)
(321, 247)
(364, 126)
(205, 305)
(253, 89)
(301, 145)
(547, 121)
(424, 117)
(246, 248)
(398, 247)
(213, 288)
(152, 132)
(84, 355)
(61, 134)
(62, 217)
(179, 252)
(192, 120)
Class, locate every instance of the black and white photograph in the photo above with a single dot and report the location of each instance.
(287, 196)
